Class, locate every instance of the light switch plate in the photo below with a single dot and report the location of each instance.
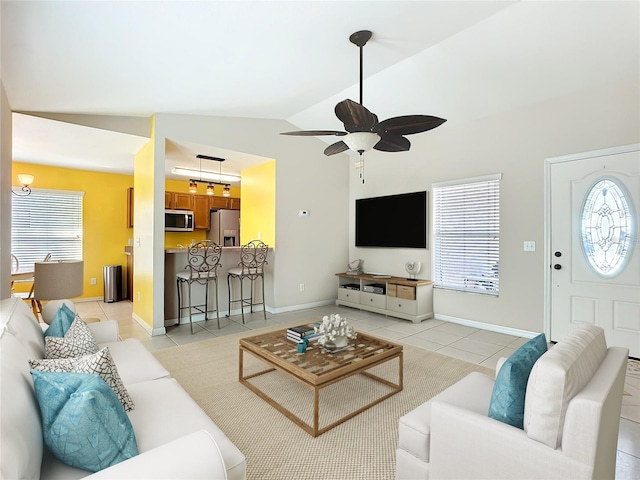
(529, 246)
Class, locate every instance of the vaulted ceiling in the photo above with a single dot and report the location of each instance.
(292, 61)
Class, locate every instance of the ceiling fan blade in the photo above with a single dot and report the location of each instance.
(313, 133)
(355, 117)
(337, 147)
(393, 143)
(408, 124)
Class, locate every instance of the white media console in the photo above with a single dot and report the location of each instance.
(393, 296)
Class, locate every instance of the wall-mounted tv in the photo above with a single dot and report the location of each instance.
(392, 221)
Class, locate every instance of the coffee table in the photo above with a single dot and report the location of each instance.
(317, 369)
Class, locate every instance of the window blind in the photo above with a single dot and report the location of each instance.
(46, 221)
(467, 235)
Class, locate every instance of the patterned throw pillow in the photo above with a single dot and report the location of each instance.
(78, 341)
(99, 363)
(83, 423)
(61, 322)
(507, 398)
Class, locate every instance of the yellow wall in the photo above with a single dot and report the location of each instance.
(143, 234)
(104, 216)
(258, 206)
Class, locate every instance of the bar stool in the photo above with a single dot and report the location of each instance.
(253, 258)
(203, 261)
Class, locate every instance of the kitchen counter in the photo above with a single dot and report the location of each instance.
(175, 260)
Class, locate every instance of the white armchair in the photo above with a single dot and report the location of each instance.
(571, 421)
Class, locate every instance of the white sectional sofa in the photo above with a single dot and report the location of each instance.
(572, 406)
(175, 438)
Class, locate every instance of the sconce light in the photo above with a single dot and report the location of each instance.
(25, 179)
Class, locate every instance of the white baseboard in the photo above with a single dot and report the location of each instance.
(487, 326)
(151, 331)
(302, 306)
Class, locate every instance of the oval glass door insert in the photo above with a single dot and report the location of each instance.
(607, 227)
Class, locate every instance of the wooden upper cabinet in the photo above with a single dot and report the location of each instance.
(178, 201)
(201, 209)
(234, 203)
(219, 202)
(130, 207)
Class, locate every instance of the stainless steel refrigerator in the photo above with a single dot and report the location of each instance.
(225, 228)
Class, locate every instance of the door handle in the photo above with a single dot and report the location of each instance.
(557, 266)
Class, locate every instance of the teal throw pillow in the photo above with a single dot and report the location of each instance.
(507, 398)
(83, 422)
(61, 322)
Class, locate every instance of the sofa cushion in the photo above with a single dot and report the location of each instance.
(21, 432)
(557, 377)
(99, 363)
(135, 362)
(414, 429)
(61, 322)
(17, 317)
(83, 422)
(157, 397)
(507, 398)
(78, 341)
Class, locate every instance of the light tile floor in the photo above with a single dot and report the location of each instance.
(471, 344)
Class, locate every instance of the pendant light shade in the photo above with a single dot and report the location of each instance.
(226, 191)
(193, 186)
(210, 190)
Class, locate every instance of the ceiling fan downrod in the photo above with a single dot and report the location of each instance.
(360, 39)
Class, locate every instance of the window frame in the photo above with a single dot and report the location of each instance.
(475, 274)
(44, 222)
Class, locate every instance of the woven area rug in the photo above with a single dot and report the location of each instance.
(276, 448)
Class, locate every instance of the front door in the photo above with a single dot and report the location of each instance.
(593, 251)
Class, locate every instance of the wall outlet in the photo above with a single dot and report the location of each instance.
(302, 287)
(94, 281)
(529, 246)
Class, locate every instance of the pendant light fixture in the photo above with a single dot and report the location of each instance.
(210, 178)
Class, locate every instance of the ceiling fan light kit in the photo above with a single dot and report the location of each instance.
(363, 131)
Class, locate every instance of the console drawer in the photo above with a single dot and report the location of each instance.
(400, 305)
(349, 295)
(373, 300)
(408, 293)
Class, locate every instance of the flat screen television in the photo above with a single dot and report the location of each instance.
(392, 221)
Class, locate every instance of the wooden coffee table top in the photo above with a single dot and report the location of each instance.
(316, 366)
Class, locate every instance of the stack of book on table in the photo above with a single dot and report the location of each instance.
(295, 333)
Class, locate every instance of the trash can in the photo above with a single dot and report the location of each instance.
(112, 283)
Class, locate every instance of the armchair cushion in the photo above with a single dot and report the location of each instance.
(83, 423)
(557, 377)
(507, 398)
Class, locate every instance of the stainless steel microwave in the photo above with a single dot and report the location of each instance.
(178, 221)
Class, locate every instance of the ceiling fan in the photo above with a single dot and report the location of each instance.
(363, 130)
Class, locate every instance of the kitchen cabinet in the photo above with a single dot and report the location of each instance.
(201, 212)
(393, 296)
(178, 201)
(219, 202)
(234, 203)
(130, 207)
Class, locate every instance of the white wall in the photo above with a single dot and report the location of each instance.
(311, 249)
(5, 194)
(515, 144)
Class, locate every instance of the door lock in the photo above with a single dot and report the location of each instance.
(557, 266)
(558, 254)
